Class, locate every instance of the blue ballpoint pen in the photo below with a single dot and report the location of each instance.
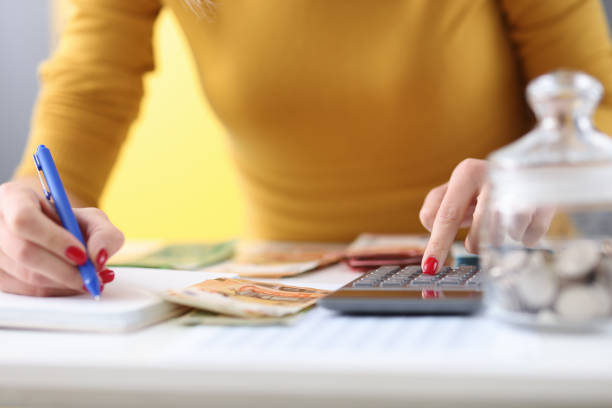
(47, 172)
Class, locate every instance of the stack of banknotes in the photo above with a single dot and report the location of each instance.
(370, 251)
(184, 256)
(283, 259)
(233, 301)
(239, 301)
(273, 259)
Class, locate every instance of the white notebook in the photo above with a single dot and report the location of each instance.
(128, 303)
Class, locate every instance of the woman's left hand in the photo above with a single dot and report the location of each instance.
(459, 203)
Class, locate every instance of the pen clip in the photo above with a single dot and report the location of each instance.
(41, 177)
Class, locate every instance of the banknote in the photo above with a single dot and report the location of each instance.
(198, 317)
(274, 259)
(245, 298)
(178, 256)
(373, 250)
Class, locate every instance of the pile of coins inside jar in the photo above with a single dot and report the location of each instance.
(572, 283)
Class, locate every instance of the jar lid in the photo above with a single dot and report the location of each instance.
(563, 102)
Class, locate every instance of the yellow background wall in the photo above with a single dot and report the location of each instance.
(174, 179)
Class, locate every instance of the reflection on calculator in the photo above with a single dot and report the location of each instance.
(406, 290)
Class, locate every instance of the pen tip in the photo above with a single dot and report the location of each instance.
(96, 297)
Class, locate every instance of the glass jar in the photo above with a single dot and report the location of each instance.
(546, 239)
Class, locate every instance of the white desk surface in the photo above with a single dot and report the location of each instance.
(324, 360)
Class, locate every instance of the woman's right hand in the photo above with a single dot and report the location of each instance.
(38, 257)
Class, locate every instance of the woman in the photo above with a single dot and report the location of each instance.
(344, 115)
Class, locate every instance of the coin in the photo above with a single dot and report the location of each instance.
(537, 283)
(604, 272)
(578, 259)
(513, 261)
(579, 302)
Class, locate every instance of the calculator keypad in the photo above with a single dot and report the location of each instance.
(464, 277)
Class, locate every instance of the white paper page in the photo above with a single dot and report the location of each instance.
(130, 287)
(133, 290)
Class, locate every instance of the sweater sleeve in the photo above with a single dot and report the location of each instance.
(91, 91)
(572, 34)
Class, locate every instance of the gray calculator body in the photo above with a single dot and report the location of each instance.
(397, 290)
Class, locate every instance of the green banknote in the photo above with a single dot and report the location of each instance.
(180, 256)
(206, 318)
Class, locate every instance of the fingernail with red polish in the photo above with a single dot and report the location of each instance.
(76, 255)
(107, 276)
(102, 258)
(430, 266)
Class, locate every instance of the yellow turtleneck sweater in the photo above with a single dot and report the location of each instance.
(342, 114)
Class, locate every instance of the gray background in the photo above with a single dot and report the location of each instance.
(24, 42)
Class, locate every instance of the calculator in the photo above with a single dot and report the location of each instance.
(407, 290)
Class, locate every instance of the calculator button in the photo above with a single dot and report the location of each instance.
(473, 284)
(448, 284)
(411, 270)
(444, 271)
(365, 284)
(392, 284)
(425, 278)
(466, 269)
(384, 270)
(422, 284)
(453, 274)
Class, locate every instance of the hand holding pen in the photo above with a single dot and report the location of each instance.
(38, 256)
